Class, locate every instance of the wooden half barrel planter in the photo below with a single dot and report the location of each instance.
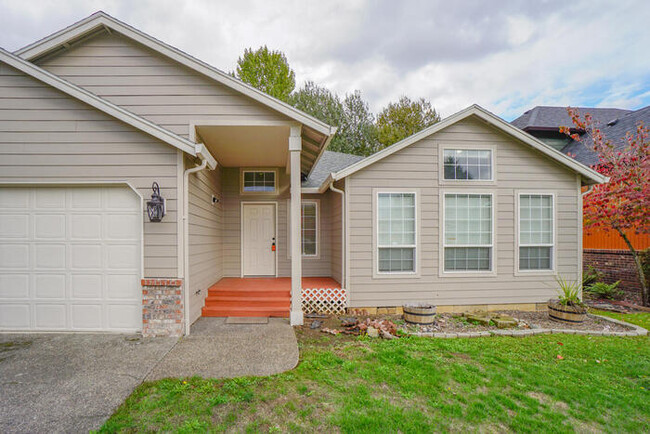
(568, 314)
(422, 314)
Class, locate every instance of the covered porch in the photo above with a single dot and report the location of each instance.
(268, 296)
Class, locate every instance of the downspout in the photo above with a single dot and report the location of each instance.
(342, 193)
(186, 238)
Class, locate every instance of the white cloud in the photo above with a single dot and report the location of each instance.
(506, 58)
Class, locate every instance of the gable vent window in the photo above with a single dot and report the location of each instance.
(468, 164)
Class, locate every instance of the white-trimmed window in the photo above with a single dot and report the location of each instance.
(309, 228)
(468, 164)
(468, 232)
(259, 181)
(396, 232)
(536, 227)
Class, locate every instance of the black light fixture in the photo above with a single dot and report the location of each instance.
(156, 206)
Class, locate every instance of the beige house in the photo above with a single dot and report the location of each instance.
(259, 219)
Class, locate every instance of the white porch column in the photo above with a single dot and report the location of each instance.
(295, 146)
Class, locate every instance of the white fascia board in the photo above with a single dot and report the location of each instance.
(97, 102)
(323, 149)
(102, 19)
(489, 118)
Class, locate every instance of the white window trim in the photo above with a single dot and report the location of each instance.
(552, 271)
(441, 164)
(258, 169)
(318, 228)
(441, 236)
(376, 274)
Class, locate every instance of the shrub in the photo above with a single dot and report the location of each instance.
(605, 290)
(569, 293)
(591, 275)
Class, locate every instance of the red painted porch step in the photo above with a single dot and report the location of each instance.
(248, 298)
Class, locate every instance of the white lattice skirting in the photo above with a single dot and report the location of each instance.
(324, 300)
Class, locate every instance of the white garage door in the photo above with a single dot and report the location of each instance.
(70, 259)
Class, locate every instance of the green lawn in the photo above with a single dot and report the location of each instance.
(417, 385)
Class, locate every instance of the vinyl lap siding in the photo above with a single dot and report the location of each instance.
(49, 137)
(150, 85)
(518, 168)
(336, 216)
(205, 221)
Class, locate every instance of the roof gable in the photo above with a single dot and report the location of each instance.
(104, 106)
(100, 21)
(589, 175)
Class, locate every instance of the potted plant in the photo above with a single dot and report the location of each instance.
(568, 307)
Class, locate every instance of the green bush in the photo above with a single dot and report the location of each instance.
(605, 290)
(591, 275)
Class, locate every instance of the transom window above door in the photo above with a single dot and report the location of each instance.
(259, 181)
(468, 164)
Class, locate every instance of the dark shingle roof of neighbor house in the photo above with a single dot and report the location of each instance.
(549, 118)
(614, 131)
(329, 162)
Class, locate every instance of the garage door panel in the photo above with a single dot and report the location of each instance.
(121, 226)
(86, 286)
(50, 316)
(49, 256)
(123, 316)
(49, 226)
(14, 256)
(14, 316)
(85, 227)
(48, 286)
(86, 256)
(49, 198)
(122, 287)
(14, 286)
(86, 316)
(87, 199)
(14, 226)
(70, 258)
(14, 198)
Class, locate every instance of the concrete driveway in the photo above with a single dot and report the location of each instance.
(70, 382)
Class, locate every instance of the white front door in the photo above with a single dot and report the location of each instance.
(258, 225)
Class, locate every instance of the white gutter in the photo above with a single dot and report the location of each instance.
(589, 188)
(186, 238)
(342, 193)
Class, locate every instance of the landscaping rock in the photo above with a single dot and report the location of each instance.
(480, 318)
(315, 324)
(505, 323)
(386, 335)
(372, 332)
(348, 321)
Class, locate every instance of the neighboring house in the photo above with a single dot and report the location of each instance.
(604, 250)
(468, 212)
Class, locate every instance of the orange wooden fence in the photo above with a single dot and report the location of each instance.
(611, 240)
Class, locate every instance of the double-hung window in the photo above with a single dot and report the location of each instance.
(468, 237)
(536, 232)
(468, 164)
(396, 232)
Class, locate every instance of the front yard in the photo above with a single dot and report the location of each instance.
(557, 383)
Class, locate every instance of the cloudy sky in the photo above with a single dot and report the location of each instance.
(505, 55)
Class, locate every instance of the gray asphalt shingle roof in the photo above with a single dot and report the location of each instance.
(329, 162)
(615, 133)
(547, 117)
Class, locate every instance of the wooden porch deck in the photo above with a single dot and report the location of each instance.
(257, 296)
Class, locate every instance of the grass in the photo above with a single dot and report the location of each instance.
(415, 385)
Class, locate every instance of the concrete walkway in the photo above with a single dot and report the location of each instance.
(215, 349)
(70, 382)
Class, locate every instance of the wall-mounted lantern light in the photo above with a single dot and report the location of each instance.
(156, 206)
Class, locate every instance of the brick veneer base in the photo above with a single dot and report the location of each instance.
(162, 307)
(616, 265)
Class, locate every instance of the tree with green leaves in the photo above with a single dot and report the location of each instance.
(267, 71)
(356, 130)
(404, 118)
